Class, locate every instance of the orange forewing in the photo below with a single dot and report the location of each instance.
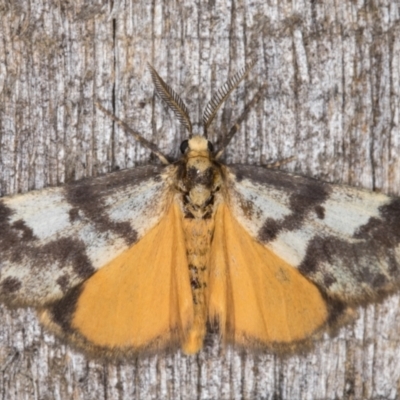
(142, 299)
(256, 297)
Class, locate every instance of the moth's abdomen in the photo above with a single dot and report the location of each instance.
(198, 234)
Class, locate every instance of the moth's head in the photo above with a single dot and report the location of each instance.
(197, 146)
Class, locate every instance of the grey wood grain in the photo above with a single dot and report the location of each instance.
(332, 100)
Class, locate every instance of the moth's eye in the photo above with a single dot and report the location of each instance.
(184, 146)
(210, 146)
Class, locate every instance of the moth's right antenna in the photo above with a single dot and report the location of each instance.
(222, 94)
(172, 99)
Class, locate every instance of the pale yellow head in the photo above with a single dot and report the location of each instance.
(198, 143)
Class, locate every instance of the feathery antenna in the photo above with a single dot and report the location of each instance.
(172, 99)
(222, 94)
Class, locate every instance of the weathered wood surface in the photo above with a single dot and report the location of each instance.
(333, 101)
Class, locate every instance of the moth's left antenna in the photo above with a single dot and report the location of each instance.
(172, 99)
(137, 136)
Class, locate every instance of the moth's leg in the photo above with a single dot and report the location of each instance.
(151, 146)
(279, 163)
(242, 117)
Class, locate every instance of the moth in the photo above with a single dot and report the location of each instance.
(145, 259)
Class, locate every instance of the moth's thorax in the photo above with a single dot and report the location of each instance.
(199, 179)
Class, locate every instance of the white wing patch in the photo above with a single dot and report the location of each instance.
(141, 204)
(347, 209)
(291, 246)
(101, 248)
(251, 197)
(47, 214)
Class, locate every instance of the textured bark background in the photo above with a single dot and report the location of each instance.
(332, 100)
